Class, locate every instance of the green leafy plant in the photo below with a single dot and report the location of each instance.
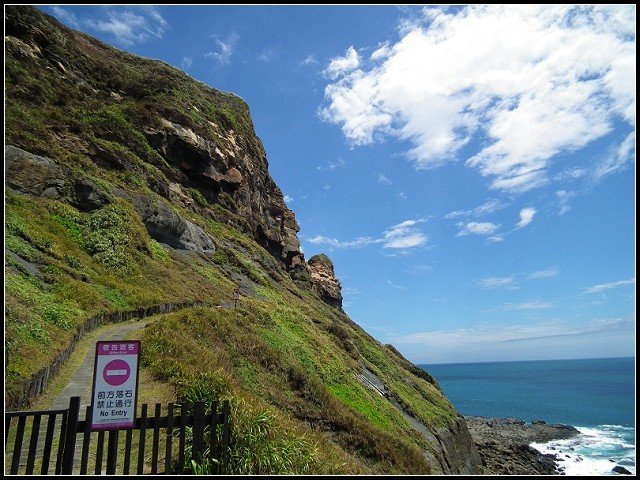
(110, 235)
(208, 466)
(202, 387)
(261, 447)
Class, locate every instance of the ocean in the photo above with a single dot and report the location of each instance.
(597, 396)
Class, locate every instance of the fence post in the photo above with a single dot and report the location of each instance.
(70, 435)
(198, 431)
(112, 452)
(226, 433)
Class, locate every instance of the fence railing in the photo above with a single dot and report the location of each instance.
(162, 441)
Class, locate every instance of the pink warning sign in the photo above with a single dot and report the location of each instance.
(115, 384)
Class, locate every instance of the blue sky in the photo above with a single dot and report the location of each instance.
(469, 170)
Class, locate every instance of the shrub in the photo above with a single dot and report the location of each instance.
(202, 387)
(260, 446)
(111, 234)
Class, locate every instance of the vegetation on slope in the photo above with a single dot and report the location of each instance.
(283, 353)
(287, 360)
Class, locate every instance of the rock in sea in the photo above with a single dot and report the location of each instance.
(620, 470)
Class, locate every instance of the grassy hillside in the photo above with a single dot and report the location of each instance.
(287, 360)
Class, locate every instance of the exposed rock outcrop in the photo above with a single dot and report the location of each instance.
(458, 450)
(324, 280)
(226, 171)
(503, 444)
(41, 176)
(621, 470)
(166, 226)
(452, 449)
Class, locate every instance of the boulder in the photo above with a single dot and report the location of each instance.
(31, 174)
(88, 195)
(621, 470)
(166, 226)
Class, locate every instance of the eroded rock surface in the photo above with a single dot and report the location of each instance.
(503, 444)
(324, 280)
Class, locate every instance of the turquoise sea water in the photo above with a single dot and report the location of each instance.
(597, 396)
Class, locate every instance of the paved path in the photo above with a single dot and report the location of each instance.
(80, 383)
(81, 380)
(80, 386)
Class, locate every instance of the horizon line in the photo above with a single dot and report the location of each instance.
(526, 360)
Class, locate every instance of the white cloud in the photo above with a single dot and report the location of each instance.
(339, 163)
(529, 82)
(490, 333)
(498, 282)
(532, 305)
(186, 62)
(357, 243)
(65, 16)
(322, 240)
(342, 65)
(288, 199)
(490, 206)
(526, 217)
(225, 49)
(542, 274)
(399, 237)
(512, 281)
(381, 52)
(129, 27)
(382, 178)
(563, 201)
(477, 228)
(608, 286)
(404, 235)
(616, 160)
(407, 241)
(398, 287)
(309, 60)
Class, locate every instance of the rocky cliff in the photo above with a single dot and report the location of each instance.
(131, 186)
(324, 281)
(203, 145)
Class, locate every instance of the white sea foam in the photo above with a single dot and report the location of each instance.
(596, 451)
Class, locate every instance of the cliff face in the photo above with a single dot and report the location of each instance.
(132, 186)
(228, 173)
(204, 148)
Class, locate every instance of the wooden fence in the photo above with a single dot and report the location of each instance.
(200, 431)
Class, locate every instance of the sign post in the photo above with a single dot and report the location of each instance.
(236, 297)
(115, 384)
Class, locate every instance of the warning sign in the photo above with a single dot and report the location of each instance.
(115, 384)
